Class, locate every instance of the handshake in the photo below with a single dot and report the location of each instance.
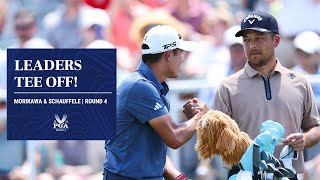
(193, 107)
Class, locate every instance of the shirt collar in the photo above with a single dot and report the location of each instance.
(252, 72)
(163, 88)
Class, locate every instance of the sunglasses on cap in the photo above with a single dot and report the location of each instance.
(24, 26)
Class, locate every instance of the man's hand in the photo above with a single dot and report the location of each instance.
(194, 106)
(296, 140)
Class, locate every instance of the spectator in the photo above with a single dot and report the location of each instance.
(3, 14)
(306, 50)
(62, 26)
(189, 11)
(123, 13)
(94, 24)
(25, 29)
(213, 50)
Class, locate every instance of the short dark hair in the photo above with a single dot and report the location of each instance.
(152, 58)
(273, 34)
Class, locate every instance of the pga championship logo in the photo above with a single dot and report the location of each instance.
(60, 124)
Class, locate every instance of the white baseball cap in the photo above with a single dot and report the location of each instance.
(162, 38)
(307, 41)
(229, 36)
(94, 16)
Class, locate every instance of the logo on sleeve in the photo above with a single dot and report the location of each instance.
(291, 75)
(157, 106)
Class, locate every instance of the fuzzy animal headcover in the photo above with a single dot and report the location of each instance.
(218, 134)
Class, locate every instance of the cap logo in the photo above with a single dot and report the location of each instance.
(166, 46)
(251, 21)
(255, 16)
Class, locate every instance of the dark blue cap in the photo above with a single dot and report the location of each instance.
(259, 21)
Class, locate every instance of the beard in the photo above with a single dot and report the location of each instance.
(259, 61)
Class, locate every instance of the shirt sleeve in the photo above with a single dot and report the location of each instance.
(310, 115)
(221, 100)
(144, 101)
